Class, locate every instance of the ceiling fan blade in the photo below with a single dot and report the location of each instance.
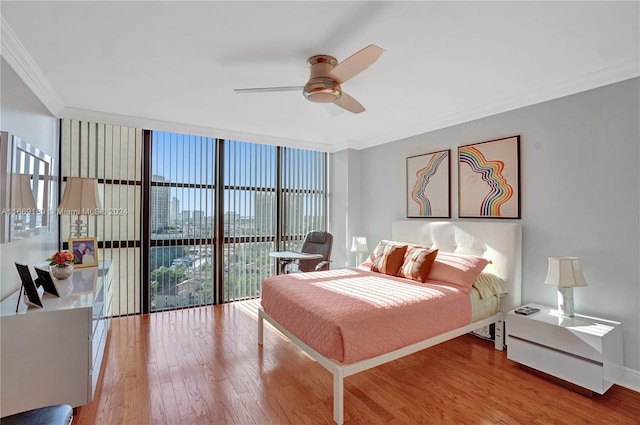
(268, 89)
(356, 63)
(349, 103)
(333, 109)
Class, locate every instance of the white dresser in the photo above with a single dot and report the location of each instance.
(52, 355)
(584, 351)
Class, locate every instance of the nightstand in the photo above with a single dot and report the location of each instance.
(584, 352)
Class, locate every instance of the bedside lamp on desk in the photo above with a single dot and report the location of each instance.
(566, 274)
(80, 198)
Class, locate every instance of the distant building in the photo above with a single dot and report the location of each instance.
(159, 205)
(299, 218)
(174, 210)
(265, 212)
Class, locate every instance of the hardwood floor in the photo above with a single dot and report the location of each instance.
(204, 366)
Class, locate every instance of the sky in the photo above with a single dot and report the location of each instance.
(187, 159)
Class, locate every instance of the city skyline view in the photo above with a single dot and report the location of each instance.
(183, 212)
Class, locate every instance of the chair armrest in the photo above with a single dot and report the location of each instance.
(323, 265)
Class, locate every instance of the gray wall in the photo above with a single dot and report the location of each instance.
(23, 115)
(579, 195)
(344, 205)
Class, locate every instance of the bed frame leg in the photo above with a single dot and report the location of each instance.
(260, 327)
(499, 341)
(338, 397)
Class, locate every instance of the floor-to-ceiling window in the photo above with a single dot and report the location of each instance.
(201, 214)
(249, 208)
(114, 156)
(182, 220)
(269, 198)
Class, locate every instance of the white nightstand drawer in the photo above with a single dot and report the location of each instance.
(582, 336)
(581, 372)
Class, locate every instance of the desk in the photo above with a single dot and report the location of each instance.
(287, 257)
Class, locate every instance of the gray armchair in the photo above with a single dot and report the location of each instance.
(316, 242)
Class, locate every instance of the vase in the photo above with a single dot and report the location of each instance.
(62, 271)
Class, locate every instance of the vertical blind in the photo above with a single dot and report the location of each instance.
(113, 155)
(182, 210)
(215, 210)
(249, 217)
(303, 194)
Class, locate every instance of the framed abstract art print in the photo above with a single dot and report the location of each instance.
(489, 179)
(429, 185)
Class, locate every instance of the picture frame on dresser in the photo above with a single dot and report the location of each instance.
(85, 250)
(44, 279)
(429, 185)
(32, 297)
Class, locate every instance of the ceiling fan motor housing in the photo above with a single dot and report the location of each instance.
(321, 88)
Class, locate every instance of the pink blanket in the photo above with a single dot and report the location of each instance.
(354, 314)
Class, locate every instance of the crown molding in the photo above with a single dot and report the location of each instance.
(186, 128)
(14, 52)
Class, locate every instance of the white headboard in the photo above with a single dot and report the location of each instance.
(499, 242)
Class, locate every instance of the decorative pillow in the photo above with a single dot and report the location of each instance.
(376, 252)
(457, 270)
(489, 284)
(389, 258)
(417, 263)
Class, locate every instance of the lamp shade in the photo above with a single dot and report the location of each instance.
(21, 193)
(359, 244)
(565, 272)
(80, 197)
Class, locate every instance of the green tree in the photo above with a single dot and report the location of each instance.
(166, 277)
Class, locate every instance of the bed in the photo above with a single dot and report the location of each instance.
(361, 341)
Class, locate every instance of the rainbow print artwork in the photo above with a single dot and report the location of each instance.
(493, 172)
(418, 194)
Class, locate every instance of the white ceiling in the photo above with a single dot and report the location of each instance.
(174, 65)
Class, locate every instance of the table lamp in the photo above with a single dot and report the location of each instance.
(22, 200)
(80, 198)
(565, 273)
(359, 246)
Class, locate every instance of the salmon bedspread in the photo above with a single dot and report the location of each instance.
(354, 314)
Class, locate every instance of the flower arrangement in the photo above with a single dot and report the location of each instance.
(62, 258)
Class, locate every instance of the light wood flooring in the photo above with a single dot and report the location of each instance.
(204, 366)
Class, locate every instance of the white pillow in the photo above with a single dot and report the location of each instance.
(488, 285)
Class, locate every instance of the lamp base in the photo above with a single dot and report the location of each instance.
(565, 301)
(79, 229)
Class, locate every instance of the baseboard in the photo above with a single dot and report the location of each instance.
(630, 379)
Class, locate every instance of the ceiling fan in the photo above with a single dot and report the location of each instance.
(326, 75)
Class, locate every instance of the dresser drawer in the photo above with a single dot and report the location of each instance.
(97, 351)
(584, 373)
